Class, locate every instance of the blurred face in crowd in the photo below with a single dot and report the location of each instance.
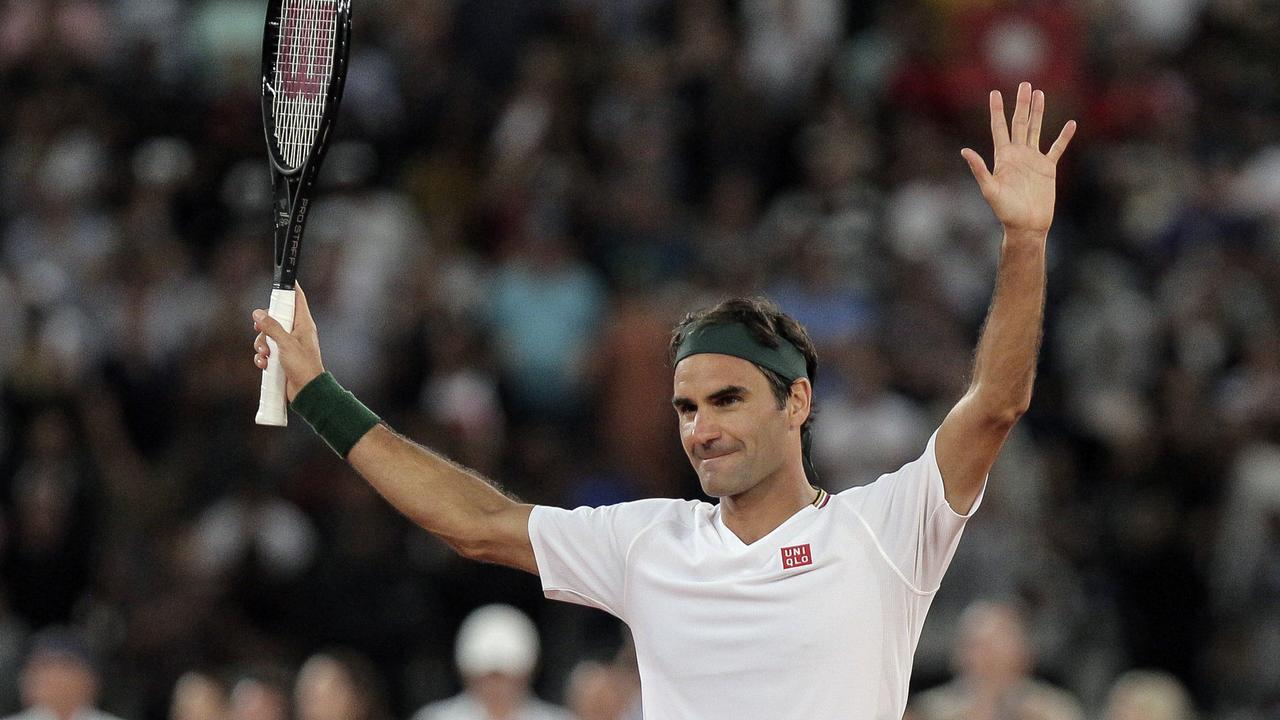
(730, 424)
(198, 697)
(595, 692)
(255, 700)
(993, 647)
(325, 691)
(1148, 695)
(501, 694)
(60, 683)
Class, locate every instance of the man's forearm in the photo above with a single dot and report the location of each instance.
(440, 496)
(1005, 363)
(1020, 188)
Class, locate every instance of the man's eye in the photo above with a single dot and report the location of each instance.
(722, 402)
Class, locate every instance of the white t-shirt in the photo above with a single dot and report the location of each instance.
(818, 620)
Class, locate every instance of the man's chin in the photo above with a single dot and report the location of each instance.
(717, 484)
(718, 476)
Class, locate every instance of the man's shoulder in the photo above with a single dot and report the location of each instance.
(654, 508)
(851, 498)
(923, 465)
(625, 522)
(666, 506)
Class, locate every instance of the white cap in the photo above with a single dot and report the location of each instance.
(497, 638)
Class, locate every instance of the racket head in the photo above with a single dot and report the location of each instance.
(304, 60)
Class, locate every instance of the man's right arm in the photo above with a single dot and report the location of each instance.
(457, 505)
(450, 502)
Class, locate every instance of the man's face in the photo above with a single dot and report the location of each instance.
(730, 424)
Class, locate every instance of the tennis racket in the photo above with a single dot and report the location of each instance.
(304, 65)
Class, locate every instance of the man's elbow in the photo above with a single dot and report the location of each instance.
(500, 551)
(1003, 413)
(479, 548)
(1009, 416)
(496, 538)
(468, 538)
(475, 542)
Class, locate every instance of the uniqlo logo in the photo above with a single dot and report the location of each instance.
(795, 556)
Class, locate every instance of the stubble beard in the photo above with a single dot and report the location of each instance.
(727, 481)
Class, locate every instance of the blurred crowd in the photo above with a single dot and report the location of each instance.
(523, 198)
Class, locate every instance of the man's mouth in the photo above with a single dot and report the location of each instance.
(716, 456)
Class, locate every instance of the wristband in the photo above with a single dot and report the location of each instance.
(334, 413)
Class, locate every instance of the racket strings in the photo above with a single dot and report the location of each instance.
(303, 67)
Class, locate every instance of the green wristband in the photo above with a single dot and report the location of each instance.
(334, 413)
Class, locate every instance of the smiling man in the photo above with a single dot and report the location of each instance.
(777, 601)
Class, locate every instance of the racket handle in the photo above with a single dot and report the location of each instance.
(273, 408)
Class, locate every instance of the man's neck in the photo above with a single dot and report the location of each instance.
(757, 512)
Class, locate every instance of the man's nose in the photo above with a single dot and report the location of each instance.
(705, 428)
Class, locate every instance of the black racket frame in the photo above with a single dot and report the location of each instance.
(292, 188)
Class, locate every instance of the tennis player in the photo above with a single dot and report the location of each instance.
(779, 601)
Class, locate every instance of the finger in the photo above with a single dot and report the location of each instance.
(999, 127)
(1021, 115)
(1064, 138)
(1037, 119)
(260, 345)
(978, 168)
(260, 361)
(300, 300)
(301, 311)
(269, 326)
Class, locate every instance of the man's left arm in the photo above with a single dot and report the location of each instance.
(1020, 191)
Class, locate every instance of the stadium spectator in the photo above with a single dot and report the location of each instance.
(993, 661)
(595, 692)
(199, 696)
(262, 694)
(606, 691)
(60, 679)
(1149, 695)
(496, 653)
(339, 685)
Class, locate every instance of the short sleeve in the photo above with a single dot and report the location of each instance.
(582, 553)
(914, 526)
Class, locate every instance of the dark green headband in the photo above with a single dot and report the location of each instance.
(736, 339)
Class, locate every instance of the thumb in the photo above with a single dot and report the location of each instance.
(269, 326)
(978, 168)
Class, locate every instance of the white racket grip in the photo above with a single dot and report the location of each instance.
(273, 408)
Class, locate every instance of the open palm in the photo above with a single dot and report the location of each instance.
(1021, 189)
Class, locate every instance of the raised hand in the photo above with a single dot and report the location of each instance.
(1021, 189)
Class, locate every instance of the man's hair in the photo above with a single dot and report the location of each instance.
(768, 325)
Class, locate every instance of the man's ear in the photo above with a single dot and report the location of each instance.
(800, 402)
